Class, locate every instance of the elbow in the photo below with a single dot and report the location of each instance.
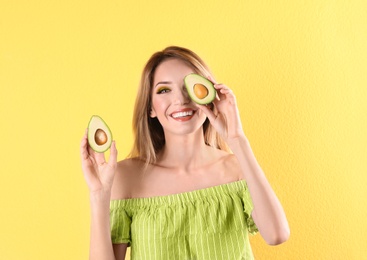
(278, 237)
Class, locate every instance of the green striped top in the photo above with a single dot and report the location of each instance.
(211, 223)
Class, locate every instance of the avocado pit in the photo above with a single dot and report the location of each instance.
(100, 137)
(200, 91)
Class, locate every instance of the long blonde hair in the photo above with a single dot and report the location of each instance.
(149, 135)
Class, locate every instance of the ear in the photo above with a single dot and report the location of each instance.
(152, 113)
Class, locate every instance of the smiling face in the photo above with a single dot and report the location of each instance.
(171, 103)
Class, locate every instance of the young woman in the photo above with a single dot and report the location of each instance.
(192, 188)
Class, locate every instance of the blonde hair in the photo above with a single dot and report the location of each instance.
(149, 135)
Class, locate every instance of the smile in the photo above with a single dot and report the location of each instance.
(182, 114)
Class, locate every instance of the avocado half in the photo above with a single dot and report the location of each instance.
(200, 89)
(99, 134)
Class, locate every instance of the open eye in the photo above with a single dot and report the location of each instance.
(163, 90)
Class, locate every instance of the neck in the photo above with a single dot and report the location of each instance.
(184, 151)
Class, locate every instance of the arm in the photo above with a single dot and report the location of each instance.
(268, 213)
(100, 236)
(120, 250)
(99, 176)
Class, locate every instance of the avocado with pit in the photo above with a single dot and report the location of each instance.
(200, 89)
(99, 134)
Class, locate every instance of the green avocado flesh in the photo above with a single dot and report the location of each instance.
(200, 89)
(99, 135)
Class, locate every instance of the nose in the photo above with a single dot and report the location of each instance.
(182, 97)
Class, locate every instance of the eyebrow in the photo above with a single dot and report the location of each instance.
(163, 82)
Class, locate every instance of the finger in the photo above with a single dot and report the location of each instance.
(212, 80)
(91, 153)
(84, 148)
(100, 158)
(217, 86)
(221, 86)
(208, 112)
(224, 92)
(222, 89)
(113, 155)
(221, 94)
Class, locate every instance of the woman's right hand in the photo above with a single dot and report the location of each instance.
(98, 173)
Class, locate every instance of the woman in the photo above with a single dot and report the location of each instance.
(181, 194)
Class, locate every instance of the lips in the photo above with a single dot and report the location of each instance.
(183, 115)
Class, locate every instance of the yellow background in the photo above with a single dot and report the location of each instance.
(298, 68)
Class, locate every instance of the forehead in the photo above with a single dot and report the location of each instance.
(172, 70)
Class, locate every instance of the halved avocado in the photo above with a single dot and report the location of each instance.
(99, 134)
(200, 89)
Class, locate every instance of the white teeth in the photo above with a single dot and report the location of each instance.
(182, 114)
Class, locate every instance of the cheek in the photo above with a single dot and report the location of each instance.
(158, 107)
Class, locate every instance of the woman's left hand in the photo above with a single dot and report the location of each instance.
(226, 120)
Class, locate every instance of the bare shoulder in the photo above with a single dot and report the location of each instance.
(126, 177)
(229, 165)
(231, 162)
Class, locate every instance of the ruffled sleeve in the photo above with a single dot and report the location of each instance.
(247, 208)
(120, 222)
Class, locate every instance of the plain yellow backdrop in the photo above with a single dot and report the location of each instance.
(298, 68)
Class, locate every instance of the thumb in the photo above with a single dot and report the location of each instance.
(208, 112)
